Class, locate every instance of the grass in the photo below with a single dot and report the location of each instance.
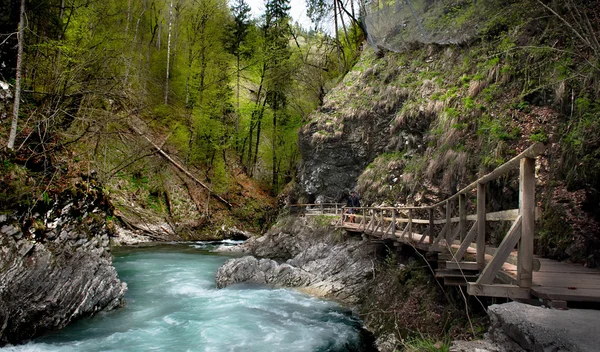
(425, 344)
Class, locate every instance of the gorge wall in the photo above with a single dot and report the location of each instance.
(414, 126)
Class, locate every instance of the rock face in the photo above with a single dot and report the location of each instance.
(517, 327)
(345, 135)
(318, 263)
(56, 267)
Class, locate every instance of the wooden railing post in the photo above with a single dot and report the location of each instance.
(364, 220)
(448, 224)
(410, 232)
(527, 211)
(481, 226)
(462, 216)
(394, 223)
(430, 225)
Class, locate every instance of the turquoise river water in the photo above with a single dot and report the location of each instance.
(173, 305)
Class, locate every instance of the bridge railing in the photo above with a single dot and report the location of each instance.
(316, 209)
(420, 226)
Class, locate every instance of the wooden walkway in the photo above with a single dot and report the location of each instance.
(457, 239)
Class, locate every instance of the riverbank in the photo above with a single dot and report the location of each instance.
(390, 287)
(173, 305)
(56, 265)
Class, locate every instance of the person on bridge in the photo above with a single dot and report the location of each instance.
(352, 203)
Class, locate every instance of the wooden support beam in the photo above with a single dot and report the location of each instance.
(405, 231)
(502, 253)
(458, 256)
(431, 225)
(394, 223)
(527, 207)
(448, 222)
(453, 265)
(363, 222)
(440, 236)
(462, 215)
(453, 236)
(423, 237)
(410, 232)
(498, 290)
(481, 216)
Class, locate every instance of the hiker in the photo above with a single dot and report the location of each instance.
(352, 203)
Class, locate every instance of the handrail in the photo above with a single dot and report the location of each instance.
(314, 204)
(374, 220)
(531, 153)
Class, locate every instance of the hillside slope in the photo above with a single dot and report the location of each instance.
(412, 127)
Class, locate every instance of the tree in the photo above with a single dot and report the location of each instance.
(239, 30)
(15, 119)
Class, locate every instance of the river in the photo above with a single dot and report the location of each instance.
(173, 305)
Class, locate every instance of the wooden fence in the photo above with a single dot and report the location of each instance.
(434, 228)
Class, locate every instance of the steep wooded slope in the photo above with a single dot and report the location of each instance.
(413, 127)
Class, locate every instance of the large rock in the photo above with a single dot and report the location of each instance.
(263, 271)
(317, 262)
(517, 327)
(56, 267)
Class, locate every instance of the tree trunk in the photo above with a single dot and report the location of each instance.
(337, 38)
(237, 114)
(274, 144)
(203, 65)
(254, 118)
(258, 127)
(15, 120)
(169, 51)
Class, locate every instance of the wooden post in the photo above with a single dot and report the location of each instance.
(364, 219)
(394, 223)
(527, 210)
(410, 232)
(430, 225)
(336, 208)
(481, 226)
(462, 216)
(448, 224)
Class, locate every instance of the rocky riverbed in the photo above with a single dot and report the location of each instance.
(308, 254)
(391, 296)
(295, 253)
(56, 265)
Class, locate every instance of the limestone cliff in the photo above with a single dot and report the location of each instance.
(56, 265)
(414, 126)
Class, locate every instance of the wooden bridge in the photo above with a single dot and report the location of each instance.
(457, 240)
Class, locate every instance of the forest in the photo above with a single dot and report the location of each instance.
(217, 89)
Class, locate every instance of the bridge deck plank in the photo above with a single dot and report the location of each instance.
(554, 281)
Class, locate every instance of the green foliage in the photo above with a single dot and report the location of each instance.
(582, 144)
(539, 136)
(469, 103)
(499, 129)
(425, 344)
(46, 198)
